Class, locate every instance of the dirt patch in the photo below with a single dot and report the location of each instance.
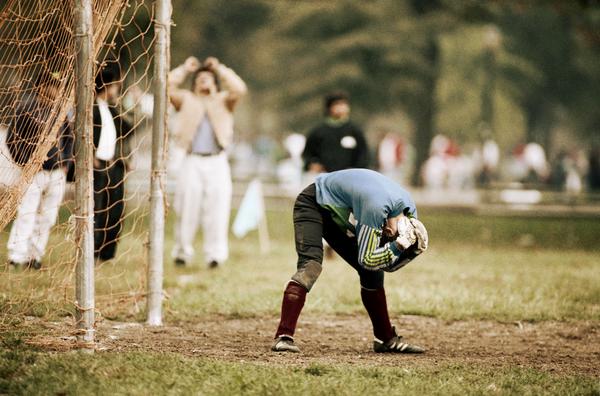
(567, 348)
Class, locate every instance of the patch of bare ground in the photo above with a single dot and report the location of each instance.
(560, 347)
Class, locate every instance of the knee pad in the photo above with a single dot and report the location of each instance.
(307, 275)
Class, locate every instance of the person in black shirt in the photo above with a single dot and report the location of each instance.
(111, 134)
(336, 143)
(39, 205)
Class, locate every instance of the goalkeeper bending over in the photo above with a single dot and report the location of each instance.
(370, 221)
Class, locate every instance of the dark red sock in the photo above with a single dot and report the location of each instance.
(376, 305)
(291, 306)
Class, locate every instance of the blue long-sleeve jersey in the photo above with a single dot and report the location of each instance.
(360, 200)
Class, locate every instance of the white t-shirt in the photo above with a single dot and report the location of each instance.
(108, 133)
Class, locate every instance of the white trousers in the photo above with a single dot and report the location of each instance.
(203, 195)
(36, 215)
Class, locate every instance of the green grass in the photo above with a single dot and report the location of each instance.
(23, 371)
(527, 231)
(492, 268)
(462, 276)
(451, 281)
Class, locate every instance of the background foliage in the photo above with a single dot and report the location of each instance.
(520, 71)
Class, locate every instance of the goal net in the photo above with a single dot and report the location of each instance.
(37, 62)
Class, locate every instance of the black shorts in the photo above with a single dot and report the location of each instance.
(312, 224)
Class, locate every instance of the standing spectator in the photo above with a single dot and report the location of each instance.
(111, 131)
(336, 143)
(489, 158)
(534, 157)
(203, 192)
(39, 205)
(390, 154)
(558, 172)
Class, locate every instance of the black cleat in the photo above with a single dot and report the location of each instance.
(16, 265)
(395, 345)
(213, 264)
(284, 344)
(179, 262)
(35, 264)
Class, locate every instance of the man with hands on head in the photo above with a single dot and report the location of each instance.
(203, 192)
(371, 222)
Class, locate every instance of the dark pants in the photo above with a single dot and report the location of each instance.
(312, 223)
(109, 192)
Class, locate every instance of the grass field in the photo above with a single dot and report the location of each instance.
(504, 305)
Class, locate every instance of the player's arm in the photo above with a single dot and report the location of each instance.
(233, 85)
(370, 255)
(176, 77)
(311, 154)
(66, 144)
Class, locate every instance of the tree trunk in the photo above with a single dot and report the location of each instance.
(540, 118)
(424, 115)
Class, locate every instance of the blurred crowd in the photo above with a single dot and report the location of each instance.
(449, 165)
(527, 164)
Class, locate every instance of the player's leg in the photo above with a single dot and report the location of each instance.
(371, 282)
(19, 241)
(188, 199)
(101, 180)
(308, 234)
(54, 191)
(373, 297)
(372, 291)
(115, 207)
(216, 210)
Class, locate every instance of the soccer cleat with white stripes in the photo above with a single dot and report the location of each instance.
(284, 344)
(395, 345)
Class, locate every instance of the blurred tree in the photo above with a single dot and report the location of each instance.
(389, 55)
(214, 28)
(546, 69)
(585, 22)
(492, 41)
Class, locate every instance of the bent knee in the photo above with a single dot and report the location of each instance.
(307, 274)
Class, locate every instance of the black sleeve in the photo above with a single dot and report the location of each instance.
(23, 134)
(361, 154)
(124, 133)
(124, 128)
(312, 152)
(97, 125)
(66, 146)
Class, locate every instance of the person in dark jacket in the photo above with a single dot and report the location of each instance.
(38, 208)
(336, 143)
(111, 132)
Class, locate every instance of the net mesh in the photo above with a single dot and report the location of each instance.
(37, 60)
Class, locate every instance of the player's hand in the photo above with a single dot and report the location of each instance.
(421, 234)
(191, 64)
(211, 63)
(97, 164)
(406, 233)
